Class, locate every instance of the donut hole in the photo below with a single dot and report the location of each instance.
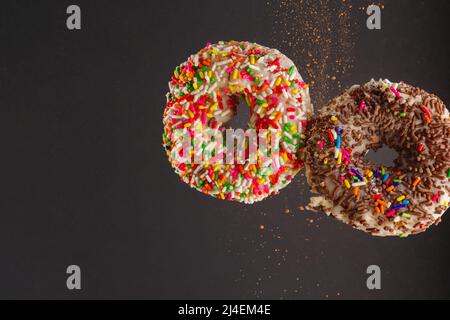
(241, 116)
(384, 156)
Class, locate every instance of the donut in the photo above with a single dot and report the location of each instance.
(383, 201)
(204, 94)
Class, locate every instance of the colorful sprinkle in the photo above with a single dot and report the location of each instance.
(416, 182)
(391, 213)
(421, 147)
(428, 114)
(396, 93)
(362, 106)
(347, 184)
(435, 197)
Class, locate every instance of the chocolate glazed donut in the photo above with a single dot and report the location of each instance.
(383, 201)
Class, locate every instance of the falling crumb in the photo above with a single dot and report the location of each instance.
(262, 227)
(320, 35)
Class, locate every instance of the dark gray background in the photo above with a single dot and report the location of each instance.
(84, 179)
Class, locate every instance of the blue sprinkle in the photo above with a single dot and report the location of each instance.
(360, 177)
(386, 177)
(377, 173)
(406, 202)
(338, 142)
(399, 206)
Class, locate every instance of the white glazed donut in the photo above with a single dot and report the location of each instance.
(204, 95)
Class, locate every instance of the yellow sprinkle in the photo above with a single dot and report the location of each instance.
(231, 88)
(195, 85)
(400, 199)
(295, 91)
(252, 59)
(209, 115)
(210, 73)
(214, 106)
(347, 184)
(188, 125)
(334, 119)
(216, 168)
(446, 204)
(191, 115)
(235, 74)
(265, 105)
(365, 180)
(202, 75)
(285, 158)
(278, 82)
(369, 173)
(339, 161)
(325, 161)
(287, 83)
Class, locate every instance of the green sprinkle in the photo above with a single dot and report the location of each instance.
(403, 114)
(259, 102)
(291, 70)
(288, 140)
(403, 236)
(406, 215)
(448, 173)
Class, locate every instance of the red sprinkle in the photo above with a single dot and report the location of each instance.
(421, 147)
(377, 196)
(330, 134)
(425, 109)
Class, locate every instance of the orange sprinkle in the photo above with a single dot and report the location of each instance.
(390, 189)
(278, 117)
(416, 182)
(382, 203)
